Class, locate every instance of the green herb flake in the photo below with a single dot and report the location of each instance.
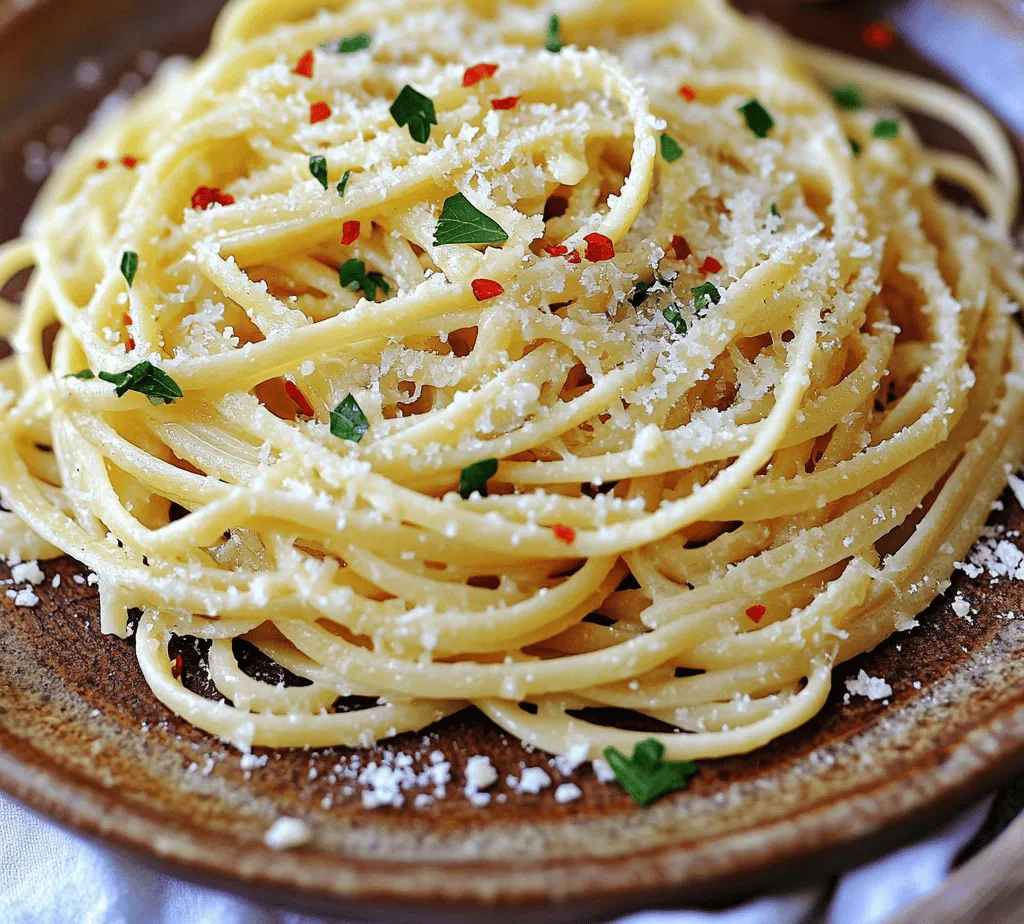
(348, 422)
(85, 374)
(645, 775)
(674, 317)
(759, 120)
(129, 266)
(146, 379)
(855, 146)
(352, 275)
(474, 477)
(461, 222)
(887, 129)
(415, 110)
(848, 96)
(640, 293)
(553, 40)
(775, 210)
(343, 185)
(359, 42)
(670, 148)
(705, 295)
(318, 167)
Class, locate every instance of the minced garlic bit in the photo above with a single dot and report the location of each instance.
(466, 355)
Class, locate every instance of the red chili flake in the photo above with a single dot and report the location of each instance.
(127, 320)
(681, 246)
(506, 102)
(688, 93)
(709, 266)
(478, 72)
(555, 207)
(573, 257)
(176, 669)
(556, 250)
(295, 393)
(349, 232)
(878, 35)
(101, 165)
(130, 344)
(599, 248)
(130, 162)
(756, 612)
(485, 289)
(564, 534)
(318, 112)
(205, 196)
(305, 66)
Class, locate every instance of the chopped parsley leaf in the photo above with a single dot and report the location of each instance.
(674, 317)
(318, 167)
(352, 275)
(670, 148)
(475, 476)
(343, 185)
(886, 129)
(705, 294)
(146, 379)
(461, 222)
(848, 96)
(415, 110)
(129, 266)
(645, 776)
(759, 120)
(553, 40)
(348, 422)
(359, 42)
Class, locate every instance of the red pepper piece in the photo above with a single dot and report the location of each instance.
(564, 534)
(478, 72)
(305, 66)
(485, 289)
(318, 112)
(349, 232)
(295, 393)
(599, 248)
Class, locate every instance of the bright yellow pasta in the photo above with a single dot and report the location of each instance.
(750, 387)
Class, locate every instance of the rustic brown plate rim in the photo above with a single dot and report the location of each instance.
(987, 753)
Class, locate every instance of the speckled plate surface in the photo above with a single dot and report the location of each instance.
(83, 741)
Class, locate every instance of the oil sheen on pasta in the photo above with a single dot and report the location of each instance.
(824, 442)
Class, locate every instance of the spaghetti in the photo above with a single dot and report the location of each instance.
(449, 363)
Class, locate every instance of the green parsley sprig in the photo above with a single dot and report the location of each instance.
(475, 476)
(670, 148)
(145, 378)
(348, 422)
(553, 39)
(759, 120)
(461, 222)
(352, 275)
(645, 775)
(411, 108)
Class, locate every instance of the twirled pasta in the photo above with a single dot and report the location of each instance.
(752, 490)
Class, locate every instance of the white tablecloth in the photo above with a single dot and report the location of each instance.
(50, 877)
